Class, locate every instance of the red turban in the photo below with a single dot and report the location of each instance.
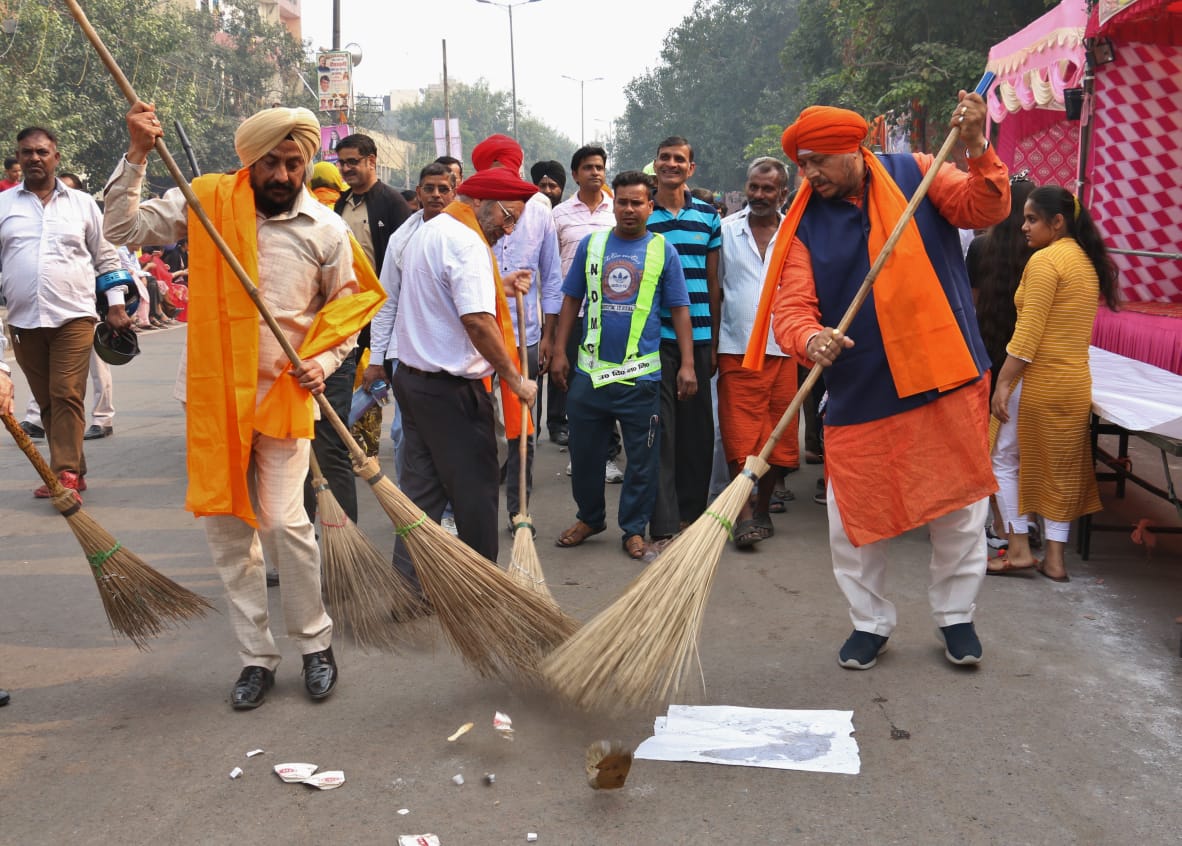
(498, 148)
(496, 184)
(826, 130)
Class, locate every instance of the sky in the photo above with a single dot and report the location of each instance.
(401, 48)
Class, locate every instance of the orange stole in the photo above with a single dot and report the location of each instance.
(923, 343)
(223, 341)
(510, 403)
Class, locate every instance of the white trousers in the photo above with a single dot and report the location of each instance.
(957, 569)
(103, 413)
(285, 535)
(1005, 470)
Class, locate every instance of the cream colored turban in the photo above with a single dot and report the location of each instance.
(264, 131)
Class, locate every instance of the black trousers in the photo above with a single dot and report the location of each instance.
(330, 450)
(449, 455)
(687, 444)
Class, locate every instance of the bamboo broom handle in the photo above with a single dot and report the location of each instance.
(38, 460)
(523, 439)
(868, 282)
(326, 409)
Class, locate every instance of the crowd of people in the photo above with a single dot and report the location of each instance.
(672, 339)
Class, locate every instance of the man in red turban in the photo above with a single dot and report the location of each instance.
(906, 428)
(453, 333)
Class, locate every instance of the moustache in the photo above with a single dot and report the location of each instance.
(278, 186)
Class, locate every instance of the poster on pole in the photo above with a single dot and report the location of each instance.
(334, 75)
(330, 136)
(441, 139)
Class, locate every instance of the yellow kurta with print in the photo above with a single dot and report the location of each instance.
(1056, 301)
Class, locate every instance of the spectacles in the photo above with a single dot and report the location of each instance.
(351, 162)
(435, 189)
(510, 218)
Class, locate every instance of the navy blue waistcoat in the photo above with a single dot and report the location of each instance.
(835, 231)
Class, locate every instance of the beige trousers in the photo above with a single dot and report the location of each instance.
(286, 537)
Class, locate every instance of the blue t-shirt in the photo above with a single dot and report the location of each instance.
(695, 230)
(623, 267)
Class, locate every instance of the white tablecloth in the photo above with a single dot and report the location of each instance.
(1135, 395)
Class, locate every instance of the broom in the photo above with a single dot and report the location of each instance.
(524, 566)
(366, 594)
(639, 650)
(497, 626)
(140, 602)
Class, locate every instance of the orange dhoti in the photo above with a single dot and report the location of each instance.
(750, 404)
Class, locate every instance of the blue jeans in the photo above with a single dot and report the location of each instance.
(592, 414)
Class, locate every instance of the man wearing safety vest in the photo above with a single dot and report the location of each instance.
(627, 276)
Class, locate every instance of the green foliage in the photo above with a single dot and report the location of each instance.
(207, 71)
(481, 112)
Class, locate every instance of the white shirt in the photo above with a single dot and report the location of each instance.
(533, 245)
(383, 344)
(574, 221)
(741, 274)
(447, 272)
(50, 255)
(3, 346)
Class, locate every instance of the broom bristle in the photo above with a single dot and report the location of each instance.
(366, 594)
(140, 602)
(638, 650)
(498, 627)
(524, 567)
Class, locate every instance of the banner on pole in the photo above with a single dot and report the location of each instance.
(441, 138)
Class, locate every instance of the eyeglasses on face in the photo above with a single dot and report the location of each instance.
(351, 162)
(510, 218)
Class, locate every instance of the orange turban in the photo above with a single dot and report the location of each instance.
(826, 130)
(498, 148)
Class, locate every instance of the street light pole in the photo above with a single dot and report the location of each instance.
(512, 56)
(582, 103)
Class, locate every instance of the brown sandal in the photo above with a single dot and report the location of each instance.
(635, 546)
(576, 534)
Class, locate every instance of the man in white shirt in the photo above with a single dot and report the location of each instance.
(449, 341)
(5, 408)
(51, 250)
(751, 402)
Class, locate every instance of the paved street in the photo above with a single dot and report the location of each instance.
(1068, 732)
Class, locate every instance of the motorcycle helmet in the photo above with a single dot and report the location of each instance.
(113, 279)
(115, 347)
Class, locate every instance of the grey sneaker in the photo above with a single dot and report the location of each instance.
(612, 474)
(449, 525)
(961, 645)
(860, 651)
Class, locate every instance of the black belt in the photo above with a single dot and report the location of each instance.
(432, 374)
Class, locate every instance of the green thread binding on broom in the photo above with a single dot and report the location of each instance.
(403, 531)
(725, 523)
(98, 559)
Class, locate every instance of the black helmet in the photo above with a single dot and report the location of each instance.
(115, 347)
(113, 279)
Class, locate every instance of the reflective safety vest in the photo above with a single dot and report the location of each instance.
(606, 372)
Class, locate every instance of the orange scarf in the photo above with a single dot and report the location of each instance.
(510, 403)
(924, 345)
(223, 344)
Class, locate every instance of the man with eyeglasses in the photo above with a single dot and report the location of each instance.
(372, 210)
(435, 190)
(453, 332)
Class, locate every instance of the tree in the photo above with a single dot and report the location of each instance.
(481, 112)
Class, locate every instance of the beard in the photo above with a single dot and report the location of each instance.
(270, 199)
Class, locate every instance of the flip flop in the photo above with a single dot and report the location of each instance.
(750, 532)
(576, 534)
(1008, 568)
(1041, 567)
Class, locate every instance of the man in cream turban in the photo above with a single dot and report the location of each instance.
(906, 430)
(250, 413)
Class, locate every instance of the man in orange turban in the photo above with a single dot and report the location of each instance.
(906, 428)
(249, 414)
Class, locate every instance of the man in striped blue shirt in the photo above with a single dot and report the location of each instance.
(687, 426)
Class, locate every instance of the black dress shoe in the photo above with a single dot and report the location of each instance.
(320, 673)
(96, 432)
(4, 697)
(32, 429)
(251, 688)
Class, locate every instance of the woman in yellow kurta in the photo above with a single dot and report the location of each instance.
(1044, 390)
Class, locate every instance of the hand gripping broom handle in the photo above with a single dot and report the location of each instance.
(34, 454)
(868, 282)
(523, 438)
(252, 290)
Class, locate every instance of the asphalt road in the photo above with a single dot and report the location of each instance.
(1067, 733)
